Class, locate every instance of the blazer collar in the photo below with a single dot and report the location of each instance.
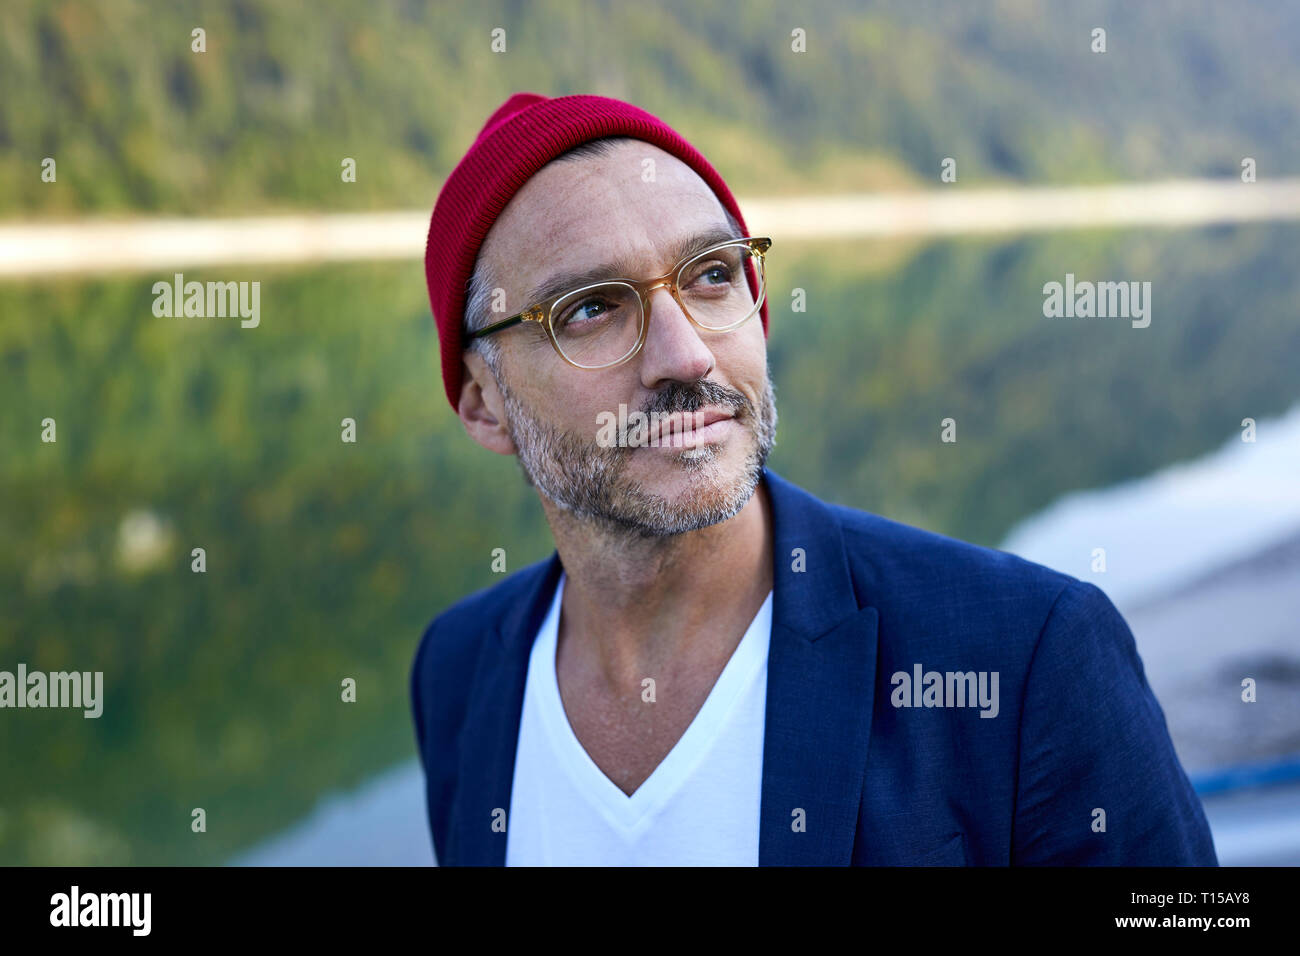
(820, 680)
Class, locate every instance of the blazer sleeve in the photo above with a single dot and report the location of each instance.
(1093, 741)
(421, 717)
(438, 687)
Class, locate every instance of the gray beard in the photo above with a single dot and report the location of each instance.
(587, 480)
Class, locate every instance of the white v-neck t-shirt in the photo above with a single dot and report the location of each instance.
(700, 806)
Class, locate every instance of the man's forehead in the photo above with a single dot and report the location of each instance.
(638, 180)
(626, 260)
(576, 217)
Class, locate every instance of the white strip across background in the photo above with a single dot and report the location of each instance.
(96, 246)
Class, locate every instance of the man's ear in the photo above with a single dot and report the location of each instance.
(482, 409)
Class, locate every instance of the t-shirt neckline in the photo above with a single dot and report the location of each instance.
(635, 811)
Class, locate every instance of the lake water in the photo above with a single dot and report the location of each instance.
(323, 559)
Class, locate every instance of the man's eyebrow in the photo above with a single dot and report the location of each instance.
(562, 282)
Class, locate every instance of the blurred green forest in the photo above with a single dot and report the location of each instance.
(885, 91)
(327, 559)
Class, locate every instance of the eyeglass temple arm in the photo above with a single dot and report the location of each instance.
(496, 328)
(533, 314)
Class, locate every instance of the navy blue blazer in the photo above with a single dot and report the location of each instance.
(849, 775)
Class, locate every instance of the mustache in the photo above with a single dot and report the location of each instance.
(692, 396)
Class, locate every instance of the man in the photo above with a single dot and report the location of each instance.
(715, 667)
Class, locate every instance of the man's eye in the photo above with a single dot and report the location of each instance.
(712, 275)
(586, 311)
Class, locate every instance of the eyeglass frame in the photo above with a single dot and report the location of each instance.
(541, 311)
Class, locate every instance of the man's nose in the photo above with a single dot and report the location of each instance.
(673, 347)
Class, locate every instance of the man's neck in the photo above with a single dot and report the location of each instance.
(631, 600)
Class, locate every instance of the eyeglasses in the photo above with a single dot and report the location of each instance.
(604, 324)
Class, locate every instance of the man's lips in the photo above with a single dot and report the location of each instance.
(688, 429)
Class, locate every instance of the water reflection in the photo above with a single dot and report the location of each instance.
(325, 559)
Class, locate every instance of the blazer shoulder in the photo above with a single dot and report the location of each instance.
(907, 552)
(456, 634)
(925, 581)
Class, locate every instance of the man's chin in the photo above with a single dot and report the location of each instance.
(653, 491)
(672, 474)
(689, 499)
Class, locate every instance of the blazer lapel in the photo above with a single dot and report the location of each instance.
(491, 733)
(820, 690)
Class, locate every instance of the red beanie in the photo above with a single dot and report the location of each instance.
(522, 136)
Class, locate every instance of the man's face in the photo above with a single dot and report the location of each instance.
(572, 216)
